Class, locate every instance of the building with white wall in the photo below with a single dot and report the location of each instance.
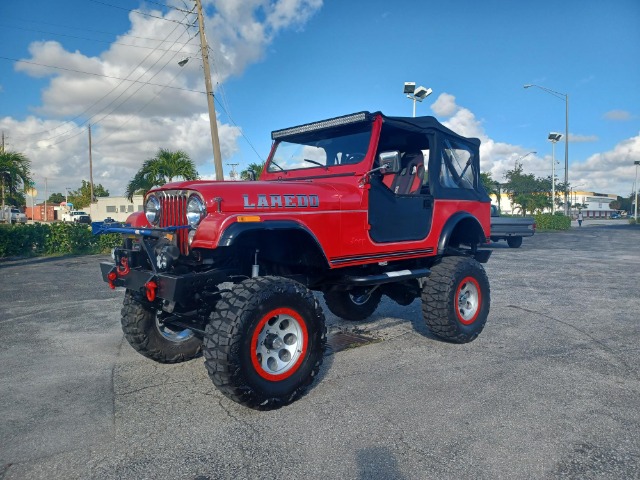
(597, 205)
(118, 208)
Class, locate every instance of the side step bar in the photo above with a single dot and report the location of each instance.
(381, 278)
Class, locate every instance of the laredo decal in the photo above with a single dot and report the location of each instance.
(282, 201)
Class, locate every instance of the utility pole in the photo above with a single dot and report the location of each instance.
(213, 122)
(90, 173)
(233, 166)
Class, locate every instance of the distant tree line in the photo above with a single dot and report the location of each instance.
(528, 193)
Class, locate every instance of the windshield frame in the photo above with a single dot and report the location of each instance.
(335, 141)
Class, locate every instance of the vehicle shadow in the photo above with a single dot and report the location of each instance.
(14, 261)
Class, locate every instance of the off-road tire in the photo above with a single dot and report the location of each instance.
(514, 242)
(236, 350)
(445, 308)
(345, 304)
(143, 333)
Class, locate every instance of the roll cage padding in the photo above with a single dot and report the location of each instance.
(452, 223)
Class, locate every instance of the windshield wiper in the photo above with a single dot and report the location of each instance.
(314, 162)
(274, 163)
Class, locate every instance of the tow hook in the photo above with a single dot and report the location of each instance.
(111, 278)
(150, 289)
(123, 268)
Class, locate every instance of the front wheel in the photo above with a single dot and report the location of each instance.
(353, 305)
(146, 334)
(456, 299)
(265, 341)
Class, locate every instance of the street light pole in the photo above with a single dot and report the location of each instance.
(553, 138)
(416, 94)
(515, 165)
(636, 163)
(565, 97)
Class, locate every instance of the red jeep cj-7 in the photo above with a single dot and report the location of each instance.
(355, 207)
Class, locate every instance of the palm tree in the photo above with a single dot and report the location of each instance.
(161, 169)
(256, 167)
(15, 172)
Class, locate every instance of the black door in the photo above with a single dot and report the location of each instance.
(398, 218)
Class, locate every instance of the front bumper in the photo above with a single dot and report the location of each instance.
(171, 287)
(135, 269)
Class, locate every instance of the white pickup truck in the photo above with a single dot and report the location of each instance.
(12, 215)
(76, 216)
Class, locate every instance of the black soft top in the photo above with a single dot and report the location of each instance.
(408, 134)
(423, 125)
(407, 124)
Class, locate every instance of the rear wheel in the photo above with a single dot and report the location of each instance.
(145, 333)
(353, 305)
(456, 299)
(514, 242)
(265, 341)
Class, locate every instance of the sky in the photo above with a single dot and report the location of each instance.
(281, 63)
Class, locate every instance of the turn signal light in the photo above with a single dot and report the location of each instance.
(249, 218)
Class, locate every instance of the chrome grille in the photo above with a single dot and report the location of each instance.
(174, 214)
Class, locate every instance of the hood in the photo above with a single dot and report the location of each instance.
(252, 197)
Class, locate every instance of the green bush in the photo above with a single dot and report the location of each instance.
(53, 239)
(547, 221)
(632, 221)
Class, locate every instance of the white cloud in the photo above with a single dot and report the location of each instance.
(618, 115)
(131, 119)
(573, 138)
(612, 171)
(445, 105)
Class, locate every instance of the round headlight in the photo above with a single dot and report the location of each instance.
(196, 211)
(152, 210)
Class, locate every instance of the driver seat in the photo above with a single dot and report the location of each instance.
(409, 179)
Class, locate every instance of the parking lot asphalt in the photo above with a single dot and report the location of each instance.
(550, 389)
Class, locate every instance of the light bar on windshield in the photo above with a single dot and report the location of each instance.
(332, 122)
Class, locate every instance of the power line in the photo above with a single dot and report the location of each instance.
(110, 103)
(85, 29)
(120, 95)
(98, 74)
(116, 87)
(225, 107)
(241, 131)
(141, 13)
(137, 111)
(166, 6)
(95, 39)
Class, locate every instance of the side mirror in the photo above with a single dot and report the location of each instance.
(251, 174)
(389, 162)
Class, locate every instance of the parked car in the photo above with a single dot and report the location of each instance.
(615, 215)
(83, 219)
(76, 216)
(17, 216)
(12, 215)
